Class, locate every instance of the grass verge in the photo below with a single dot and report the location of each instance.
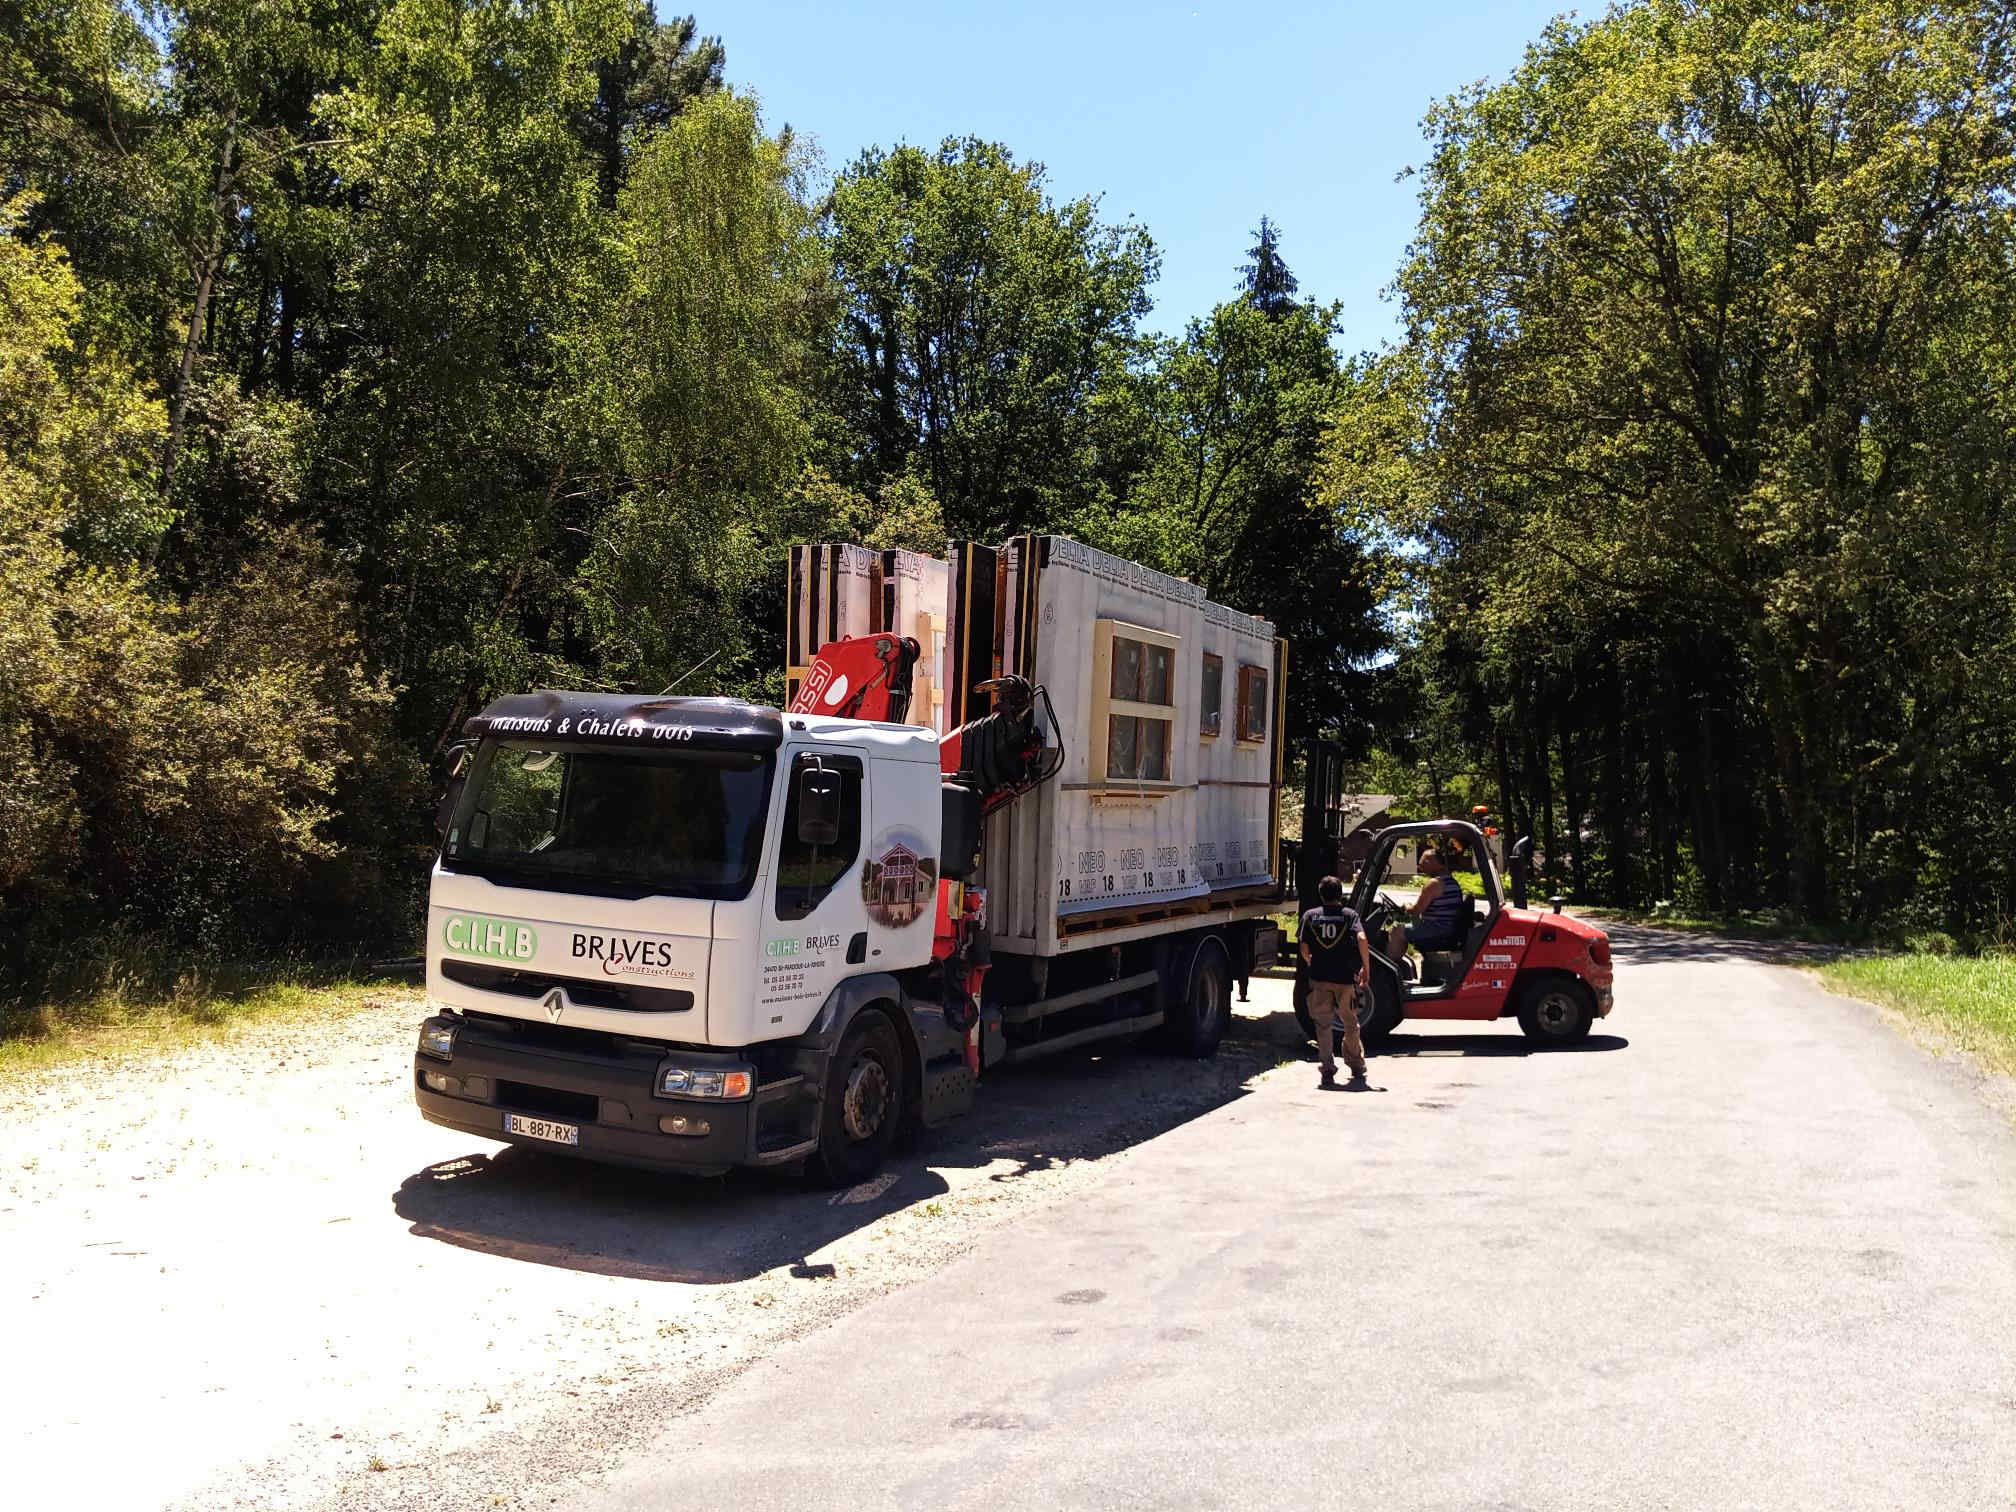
(1971, 999)
(200, 1008)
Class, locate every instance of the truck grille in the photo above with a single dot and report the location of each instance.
(589, 994)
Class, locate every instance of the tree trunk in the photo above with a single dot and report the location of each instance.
(888, 396)
(1804, 846)
(1659, 798)
(1508, 797)
(1543, 774)
(1577, 801)
(1618, 824)
(207, 261)
(1709, 853)
(255, 356)
(289, 316)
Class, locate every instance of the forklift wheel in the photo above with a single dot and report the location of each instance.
(1386, 1015)
(1556, 1011)
(1382, 1018)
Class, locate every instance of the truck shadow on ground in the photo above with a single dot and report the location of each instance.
(523, 1204)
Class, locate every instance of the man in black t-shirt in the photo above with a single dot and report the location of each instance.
(1339, 962)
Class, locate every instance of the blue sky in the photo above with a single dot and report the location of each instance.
(1195, 118)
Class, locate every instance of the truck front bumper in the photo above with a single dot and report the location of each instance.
(609, 1098)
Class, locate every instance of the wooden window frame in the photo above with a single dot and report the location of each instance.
(1248, 672)
(1105, 705)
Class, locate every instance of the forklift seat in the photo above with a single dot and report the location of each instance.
(1443, 968)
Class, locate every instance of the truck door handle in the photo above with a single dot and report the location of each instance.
(857, 948)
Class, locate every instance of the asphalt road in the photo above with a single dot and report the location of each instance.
(1750, 1248)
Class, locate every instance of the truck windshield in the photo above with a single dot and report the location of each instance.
(583, 819)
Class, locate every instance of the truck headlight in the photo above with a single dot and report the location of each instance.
(689, 1081)
(437, 1039)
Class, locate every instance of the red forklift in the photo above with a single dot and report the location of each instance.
(1549, 971)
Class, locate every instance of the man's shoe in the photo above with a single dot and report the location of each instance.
(1329, 1079)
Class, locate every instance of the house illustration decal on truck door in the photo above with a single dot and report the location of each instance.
(900, 884)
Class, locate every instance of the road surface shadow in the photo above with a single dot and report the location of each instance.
(1642, 946)
(524, 1204)
(1281, 1030)
(1401, 1044)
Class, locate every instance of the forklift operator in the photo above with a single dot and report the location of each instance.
(1442, 912)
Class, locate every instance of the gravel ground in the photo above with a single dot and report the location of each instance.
(249, 1275)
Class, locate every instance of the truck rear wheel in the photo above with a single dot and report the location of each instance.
(1197, 1022)
(863, 1107)
(1555, 1011)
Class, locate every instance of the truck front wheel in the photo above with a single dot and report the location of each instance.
(863, 1107)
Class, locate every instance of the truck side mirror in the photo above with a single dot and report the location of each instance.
(959, 831)
(818, 805)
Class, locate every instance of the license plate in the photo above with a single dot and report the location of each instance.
(542, 1128)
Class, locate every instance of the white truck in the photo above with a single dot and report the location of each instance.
(1024, 797)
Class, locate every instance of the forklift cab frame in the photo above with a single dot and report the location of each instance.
(1442, 971)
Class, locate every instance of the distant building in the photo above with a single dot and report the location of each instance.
(1355, 821)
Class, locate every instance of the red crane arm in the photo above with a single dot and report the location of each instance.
(861, 677)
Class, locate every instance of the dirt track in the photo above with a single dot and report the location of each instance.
(251, 1276)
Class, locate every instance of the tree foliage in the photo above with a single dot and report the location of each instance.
(1702, 419)
(161, 761)
(362, 361)
(1270, 286)
(977, 324)
(1228, 425)
(652, 76)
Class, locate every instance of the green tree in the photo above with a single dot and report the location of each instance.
(1706, 375)
(1233, 418)
(1270, 285)
(660, 66)
(977, 324)
(693, 361)
(162, 765)
(447, 451)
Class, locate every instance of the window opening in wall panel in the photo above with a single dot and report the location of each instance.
(1252, 703)
(1135, 707)
(1212, 697)
(1137, 749)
